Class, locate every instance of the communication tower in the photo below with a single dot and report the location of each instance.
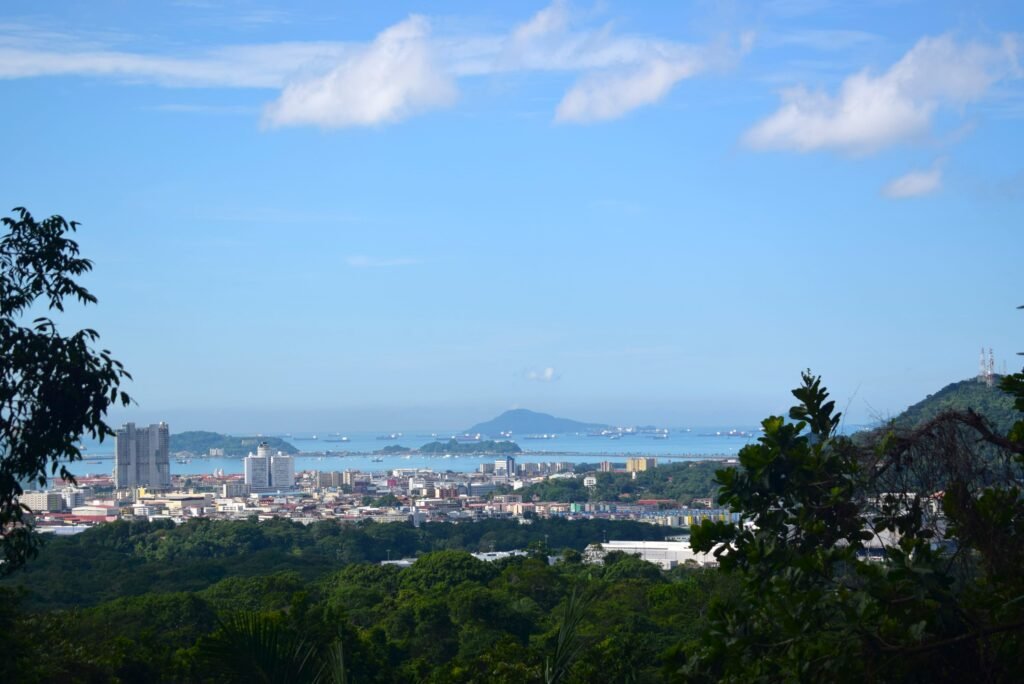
(987, 367)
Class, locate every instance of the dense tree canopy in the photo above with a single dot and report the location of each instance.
(939, 510)
(248, 601)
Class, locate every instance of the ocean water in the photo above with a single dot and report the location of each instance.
(325, 451)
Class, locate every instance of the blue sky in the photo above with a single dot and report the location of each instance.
(415, 215)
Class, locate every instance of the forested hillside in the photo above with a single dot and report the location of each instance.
(122, 558)
(992, 402)
(150, 602)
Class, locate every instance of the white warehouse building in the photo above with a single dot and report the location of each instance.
(667, 554)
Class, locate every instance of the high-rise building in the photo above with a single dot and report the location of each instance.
(505, 467)
(141, 457)
(257, 472)
(42, 502)
(282, 471)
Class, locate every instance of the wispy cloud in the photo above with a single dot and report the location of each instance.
(547, 374)
(246, 66)
(404, 71)
(915, 184)
(363, 261)
(609, 95)
(874, 111)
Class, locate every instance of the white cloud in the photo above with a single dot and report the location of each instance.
(609, 95)
(915, 183)
(363, 261)
(394, 78)
(541, 374)
(404, 71)
(870, 112)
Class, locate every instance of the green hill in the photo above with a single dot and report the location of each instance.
(991, 402)
(200, 442)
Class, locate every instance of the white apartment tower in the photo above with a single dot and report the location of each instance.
(282, 471)
(141, 457)
(257, 469)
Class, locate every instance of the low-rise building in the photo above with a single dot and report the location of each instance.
(666, 554)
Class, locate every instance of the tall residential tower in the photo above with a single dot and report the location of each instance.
(141, 457)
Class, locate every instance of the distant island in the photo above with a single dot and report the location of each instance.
(200, 442)
(525, 422)
(486, 447)
(392, 449)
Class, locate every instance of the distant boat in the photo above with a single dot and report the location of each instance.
(393, 435)
(377, 460)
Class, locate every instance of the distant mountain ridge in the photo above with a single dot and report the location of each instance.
(525, 422)
(991, 402)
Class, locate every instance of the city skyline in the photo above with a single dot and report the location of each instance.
(417, 216)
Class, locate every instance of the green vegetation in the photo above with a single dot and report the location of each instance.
(679, 482)
(943, 602)
(246, 601)
(448, 618)
(393, 449)
(485, 447)
(53, 388)
(992, 402)
(128, 559)
(200, 443)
